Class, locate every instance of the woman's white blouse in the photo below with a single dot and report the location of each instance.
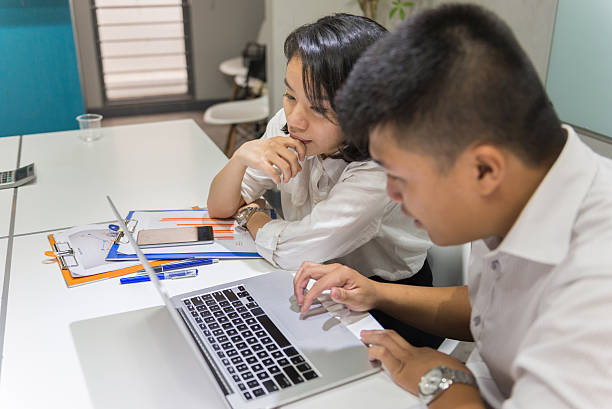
(334, 210)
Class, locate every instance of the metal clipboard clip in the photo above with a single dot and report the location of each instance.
(65, 255)
(121, 238)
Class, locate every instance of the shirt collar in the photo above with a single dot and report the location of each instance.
(542, 232)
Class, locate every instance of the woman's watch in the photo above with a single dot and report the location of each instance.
(244, 214)
(439, 379)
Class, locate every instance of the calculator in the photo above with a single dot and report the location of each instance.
(17, 177)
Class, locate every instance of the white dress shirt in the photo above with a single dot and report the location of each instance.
(334, 210)
(542, 298)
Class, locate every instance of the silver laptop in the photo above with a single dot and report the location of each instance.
(250, 340)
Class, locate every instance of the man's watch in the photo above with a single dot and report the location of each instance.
(244, 214)
(439, 379)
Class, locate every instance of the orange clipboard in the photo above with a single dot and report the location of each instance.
(74, 281)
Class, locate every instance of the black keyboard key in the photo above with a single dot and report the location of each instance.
(242, 387)
(200, 308)
(245, 376)
(291, 351)
(251, 360)
(229, 294)
(241, 327)
(262, 355)
(246, 334)
(196, 301)
(251, 340)
(205, 314)
(207, 333)
(236, 338)
(211, 340)
(224, 303)
(271, 347)
(221, 354)
(198, 319)
(218, 296)
(227, 345)
(250, 299)
(207, 297)
(216, 347)
(257, 367)
(257, 311)
(231, 353)
(273, 331)
(270, 385)
(232, 315)
(215, 308)
(274, 369)
(310, 375)
(203, 327)
(237, 304)
(211, 302)
(230, 369)
(246, 352)
(190, 308)
(223, 320)
(246, 315)
(260, 334)
(296, 360)
(187, 302)
(213, 325)
(222, 338)
(269, 361)
(241, 309)
(227, 326)
(263, 375)
(293, 374)
(282, 381)
(225, 361)
(259, 392)
(283, 362)
(255, 327)
(243, 294)
(266, 340)
(303, 367)
(241, 288)
(257, 347)
(217, 332)
(231, 332)
(252, 384)
(237, 321)
(248, 396)
(236, 378)
(194, 313)
(252, 305)
(219, 314)
(209, 320)
(242, 367)
(237, 360)
(241, 345)
(277, 354)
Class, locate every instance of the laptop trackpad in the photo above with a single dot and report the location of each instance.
(139, 359)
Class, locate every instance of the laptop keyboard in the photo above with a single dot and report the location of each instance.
(256, 356)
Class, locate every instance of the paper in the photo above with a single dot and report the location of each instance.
(90, 245)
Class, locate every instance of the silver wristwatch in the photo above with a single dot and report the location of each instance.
(439, 379)
(243, 216)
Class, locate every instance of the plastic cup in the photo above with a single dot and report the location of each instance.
(90, 124)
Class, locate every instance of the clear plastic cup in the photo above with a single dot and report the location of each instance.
(89, 125)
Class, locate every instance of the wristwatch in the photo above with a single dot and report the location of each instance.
(244, 214)
(439, 379)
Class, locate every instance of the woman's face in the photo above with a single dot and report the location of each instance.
(306, 122)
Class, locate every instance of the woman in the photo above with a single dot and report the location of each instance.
(333, 198)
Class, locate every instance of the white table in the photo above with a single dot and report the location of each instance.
(9, 147)
(41, 366)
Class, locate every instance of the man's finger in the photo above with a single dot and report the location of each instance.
(388, 339)
(382, 354)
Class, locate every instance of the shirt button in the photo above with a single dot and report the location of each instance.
(494, 265)
(476, 320)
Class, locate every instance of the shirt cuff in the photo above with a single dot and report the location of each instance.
(267, 238)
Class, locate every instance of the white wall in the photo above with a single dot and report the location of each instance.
(532, 22)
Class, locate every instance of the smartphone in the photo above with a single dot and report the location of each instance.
(175, 236)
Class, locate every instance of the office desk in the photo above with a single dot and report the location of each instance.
(8, 160)
(42, 366)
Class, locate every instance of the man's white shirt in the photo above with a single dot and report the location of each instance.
(542, 297)
(334, 210)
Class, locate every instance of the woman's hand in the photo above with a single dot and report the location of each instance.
(347, 286)
(280, 151)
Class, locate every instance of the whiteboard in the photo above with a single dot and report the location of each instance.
(579, 81)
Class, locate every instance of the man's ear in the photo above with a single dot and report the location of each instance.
(489, 168)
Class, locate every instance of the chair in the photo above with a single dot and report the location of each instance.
(449, 268)
(249, 104)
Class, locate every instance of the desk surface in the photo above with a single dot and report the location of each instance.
(163, 165)
(41, 367)
(8, 160)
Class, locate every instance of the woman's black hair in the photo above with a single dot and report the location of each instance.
(328, 49)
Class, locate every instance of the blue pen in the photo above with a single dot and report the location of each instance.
(170, 275)
(183, 265)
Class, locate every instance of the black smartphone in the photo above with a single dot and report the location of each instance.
(175, 236)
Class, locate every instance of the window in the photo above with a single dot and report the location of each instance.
(143, 49)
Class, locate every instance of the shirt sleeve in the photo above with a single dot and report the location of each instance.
(348, 218)
(566, 360)
(255, 182)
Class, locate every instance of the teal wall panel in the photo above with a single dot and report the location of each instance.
(40, 89)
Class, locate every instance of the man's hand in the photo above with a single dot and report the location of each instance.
(265, 154)
(405, 363)
(347, 286)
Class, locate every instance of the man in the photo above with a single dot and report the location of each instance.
(474, 152)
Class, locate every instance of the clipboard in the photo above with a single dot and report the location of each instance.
(65, 257)
(222, 248)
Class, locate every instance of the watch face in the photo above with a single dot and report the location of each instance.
(430, 382)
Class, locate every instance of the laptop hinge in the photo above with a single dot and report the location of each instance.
(225, 387)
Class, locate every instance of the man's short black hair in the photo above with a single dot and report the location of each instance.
(328, 49)
(447, 78)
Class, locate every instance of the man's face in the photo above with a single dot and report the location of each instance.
(439, 202)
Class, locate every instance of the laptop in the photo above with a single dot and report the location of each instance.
(251, 343)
